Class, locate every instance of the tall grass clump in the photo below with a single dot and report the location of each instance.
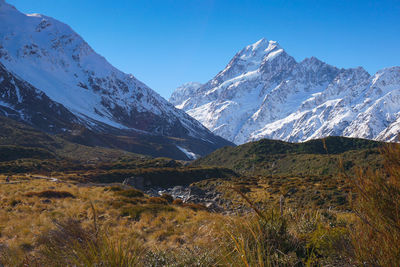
(376, 235)
(68, 243)
(262, 239)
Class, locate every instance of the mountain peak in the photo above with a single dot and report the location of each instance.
(51, 57)
(264, 93)
(251, 58)
(259, 48)
(260, 44)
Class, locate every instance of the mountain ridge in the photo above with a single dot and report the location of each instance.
(265, 93)
(47, 55)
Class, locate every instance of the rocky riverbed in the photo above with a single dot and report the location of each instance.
(212, 199)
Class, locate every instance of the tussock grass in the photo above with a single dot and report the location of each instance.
(134, 212)
(27, 224)
(129, 193)
(288, 221)
(157, 200)
(286, 237)
(376, 235)
(70, 244)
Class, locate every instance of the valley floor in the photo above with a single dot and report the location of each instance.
(261, 204)
(41, 215)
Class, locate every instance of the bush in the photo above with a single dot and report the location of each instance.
(330, 242)
(134, 212)
(126, 201)
(50, 194)
(177, 202)
(262, 241)
(130, 193)
(167, 197)
(157, 200)
(376, 236)
(114, 188)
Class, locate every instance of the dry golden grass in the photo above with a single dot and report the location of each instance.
(23, 219)
(163, 233)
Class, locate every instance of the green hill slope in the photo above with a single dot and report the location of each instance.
(20, 141)
(316, 157)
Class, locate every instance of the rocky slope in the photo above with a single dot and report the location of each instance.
(264, 93)
(53, 80)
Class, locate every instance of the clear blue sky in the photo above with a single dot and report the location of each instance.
(165, 43)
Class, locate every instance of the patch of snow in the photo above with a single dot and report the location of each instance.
(188, 153)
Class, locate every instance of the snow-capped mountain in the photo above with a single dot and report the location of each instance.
(264, 93)
(55, 63)
(183, 92)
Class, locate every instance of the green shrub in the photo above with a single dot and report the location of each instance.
(114, 188)
(130, 193)
(157, 200)
(134, 212)
(167, 197)
(50, 194)
(329, 242)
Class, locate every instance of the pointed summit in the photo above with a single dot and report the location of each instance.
(259, 49)
(264, 93)
(260, 44)
(252, 58)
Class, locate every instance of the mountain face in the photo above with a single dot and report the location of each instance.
(264, 93)
(52, 79)
(183, 92)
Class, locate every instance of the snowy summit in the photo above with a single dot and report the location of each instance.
(264, 93)
(61, 67)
